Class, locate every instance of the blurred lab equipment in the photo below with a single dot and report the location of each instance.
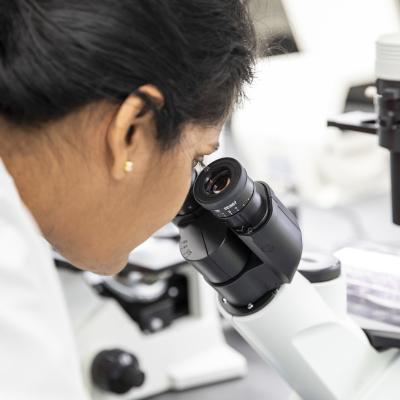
(153, 328)
(386, 121)
(281, 127)
(292, 310)
(373, 285)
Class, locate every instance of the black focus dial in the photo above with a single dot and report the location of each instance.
(116, 371)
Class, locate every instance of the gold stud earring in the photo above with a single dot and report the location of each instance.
(128, 166)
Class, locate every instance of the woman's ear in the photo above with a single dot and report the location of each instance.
(132, 125)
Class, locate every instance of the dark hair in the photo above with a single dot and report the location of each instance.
(59, 55)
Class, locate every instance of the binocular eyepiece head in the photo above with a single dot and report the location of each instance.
(238, 235)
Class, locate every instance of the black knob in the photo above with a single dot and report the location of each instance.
(116, 371)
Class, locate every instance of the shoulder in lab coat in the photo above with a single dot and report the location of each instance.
(38, 357)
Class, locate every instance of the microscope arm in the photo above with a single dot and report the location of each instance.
(321, 354)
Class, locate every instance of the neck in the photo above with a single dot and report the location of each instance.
(29, 161)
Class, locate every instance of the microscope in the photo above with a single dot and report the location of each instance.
(291, 309)
(386, 121)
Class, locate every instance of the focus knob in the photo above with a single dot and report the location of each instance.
(116, 371)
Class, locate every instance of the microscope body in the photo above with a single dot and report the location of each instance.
(252, 259)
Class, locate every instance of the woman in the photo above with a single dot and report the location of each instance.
(104, 108)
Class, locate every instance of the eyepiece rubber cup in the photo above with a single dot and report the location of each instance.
(223, 188)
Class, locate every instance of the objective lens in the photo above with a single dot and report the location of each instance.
(218, 183)
(225, 189)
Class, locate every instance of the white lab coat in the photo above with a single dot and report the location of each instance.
(38, 357)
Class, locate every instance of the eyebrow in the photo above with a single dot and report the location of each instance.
(216, 145)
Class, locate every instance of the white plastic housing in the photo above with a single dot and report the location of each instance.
(192, 352)
(322, 355)
(388, 57)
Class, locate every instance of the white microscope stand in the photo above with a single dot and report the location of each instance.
(190, 353)
(305, 334)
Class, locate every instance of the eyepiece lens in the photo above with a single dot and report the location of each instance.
(225, 189)
(218, 182)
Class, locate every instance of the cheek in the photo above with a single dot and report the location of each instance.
(170, 188)
(158, 197)
(176, 188)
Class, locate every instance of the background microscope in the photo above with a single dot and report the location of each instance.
(151, 329)
(386, 121)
